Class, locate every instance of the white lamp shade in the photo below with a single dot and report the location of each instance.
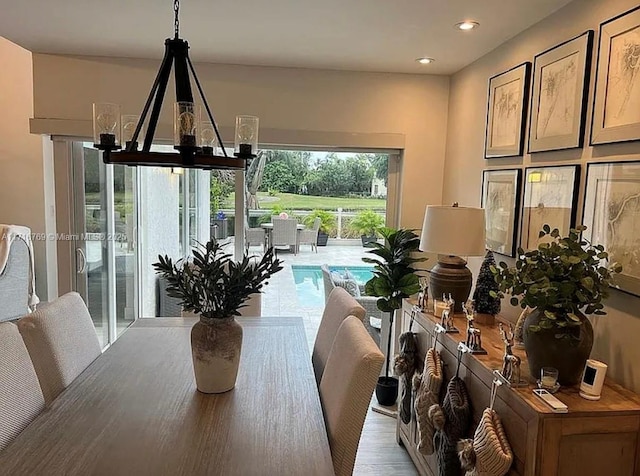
(456, 231)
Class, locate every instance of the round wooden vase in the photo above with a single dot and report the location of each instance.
(544, 349)
(215, 347)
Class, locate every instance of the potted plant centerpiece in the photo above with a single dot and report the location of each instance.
(368, 224)
(327, 222)
(563, 281)
(393, 280)
(216, 287)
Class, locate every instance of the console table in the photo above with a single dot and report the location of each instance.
(593, 439)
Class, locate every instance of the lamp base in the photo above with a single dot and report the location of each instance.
(451, 275)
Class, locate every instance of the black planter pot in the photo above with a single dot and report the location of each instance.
(367, 240)
(387, 391)
(567, 355)
(322, 238)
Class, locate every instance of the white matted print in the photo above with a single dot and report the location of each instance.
(500, 200)
(612, 217)
(550, 195)
(507, 106)
(616, 109)
(560, 80)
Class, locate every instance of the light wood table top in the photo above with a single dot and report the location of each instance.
(136, 411)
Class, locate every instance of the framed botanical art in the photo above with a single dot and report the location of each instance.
(616, 108)
(506, 112)
(612, 217)
(501, 203)
(560, 86)
(550, 195)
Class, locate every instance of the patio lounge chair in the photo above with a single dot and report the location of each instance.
(368, 302)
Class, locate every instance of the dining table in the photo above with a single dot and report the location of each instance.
(136, 410)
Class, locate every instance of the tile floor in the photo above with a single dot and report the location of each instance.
(378, 454)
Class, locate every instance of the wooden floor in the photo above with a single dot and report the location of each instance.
(379, 454)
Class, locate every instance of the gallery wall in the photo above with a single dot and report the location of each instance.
(615, 334)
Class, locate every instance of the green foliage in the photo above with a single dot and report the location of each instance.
(214, 285)
(278, 177)
(327, 220)
(340, 176)
(564, 279)
(393, 277)
(380, 163)
(367, 222)
(219, 190)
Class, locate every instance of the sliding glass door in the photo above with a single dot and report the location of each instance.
(105, 217)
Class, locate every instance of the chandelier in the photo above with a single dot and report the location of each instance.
(196, 135)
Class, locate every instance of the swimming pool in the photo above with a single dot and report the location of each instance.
(309, 284)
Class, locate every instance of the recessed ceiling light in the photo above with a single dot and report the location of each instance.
(467, 25)
(425, 60)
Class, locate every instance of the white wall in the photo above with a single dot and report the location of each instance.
(159, 225)
(26, 162)
(307, 107)
(615, 334)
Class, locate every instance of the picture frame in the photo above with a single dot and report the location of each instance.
(560, 93)
(612, 217)
(507, 103)
(501, 190)
(616, 105)
(550, 198)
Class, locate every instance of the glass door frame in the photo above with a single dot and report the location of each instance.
(79, 279)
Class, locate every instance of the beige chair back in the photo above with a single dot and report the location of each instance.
(21, 399)
(346, 388)
(339, 305)
(62, 342)
(285, 232)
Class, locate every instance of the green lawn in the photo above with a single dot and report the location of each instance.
(290, 201)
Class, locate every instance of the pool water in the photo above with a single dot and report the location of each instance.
(309, 284)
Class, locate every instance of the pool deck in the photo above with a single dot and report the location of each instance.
(280, 297)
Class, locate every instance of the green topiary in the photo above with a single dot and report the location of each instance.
(564, 279)
(486, 303)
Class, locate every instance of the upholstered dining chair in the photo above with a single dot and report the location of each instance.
(285, 233)
(340, 304)
(62, 342)
(21, 399)
(309, 236)
(346, 388)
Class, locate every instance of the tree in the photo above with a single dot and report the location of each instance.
(485, 303)
(380, 163)
(278, 177)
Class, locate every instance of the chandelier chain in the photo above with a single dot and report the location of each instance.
(176, 11)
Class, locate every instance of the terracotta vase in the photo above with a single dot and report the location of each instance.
(215, 347)
(567, 355)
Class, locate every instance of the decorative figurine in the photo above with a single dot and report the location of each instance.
(510, 363)
(447, 315)
(474, 341)
(423, 295)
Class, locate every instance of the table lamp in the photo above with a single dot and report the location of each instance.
(452, 232)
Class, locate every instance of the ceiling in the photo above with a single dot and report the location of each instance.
(359, 35)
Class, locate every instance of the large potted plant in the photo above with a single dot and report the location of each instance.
(564, 280)
(368, 224)
(393, 280)
(216, 287)
(327, 222)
